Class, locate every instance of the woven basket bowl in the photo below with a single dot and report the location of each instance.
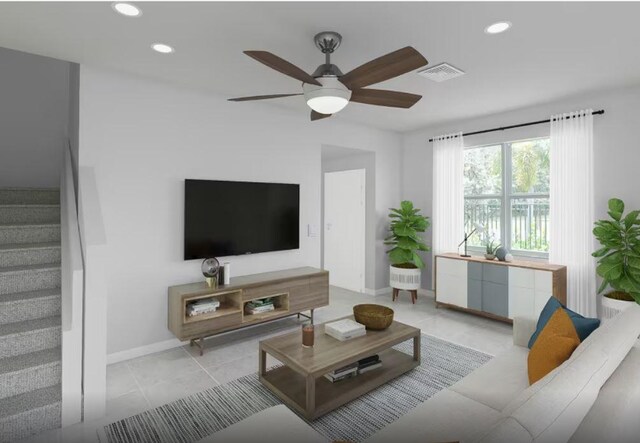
(373, 317)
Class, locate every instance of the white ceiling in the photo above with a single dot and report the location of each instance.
(554, 50)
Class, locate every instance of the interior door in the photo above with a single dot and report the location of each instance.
(344, 228)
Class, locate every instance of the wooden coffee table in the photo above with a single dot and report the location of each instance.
(300, 382)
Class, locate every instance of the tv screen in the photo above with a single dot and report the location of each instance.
(223, 218)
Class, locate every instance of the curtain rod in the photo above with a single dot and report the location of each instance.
(521, 125)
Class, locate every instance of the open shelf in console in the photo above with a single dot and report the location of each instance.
(280, 307)
(230, 303)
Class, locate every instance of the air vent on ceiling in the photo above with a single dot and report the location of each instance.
(442, 72)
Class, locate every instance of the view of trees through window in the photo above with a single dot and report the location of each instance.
(507, 193)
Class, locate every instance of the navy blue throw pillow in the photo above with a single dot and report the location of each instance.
(584, 326)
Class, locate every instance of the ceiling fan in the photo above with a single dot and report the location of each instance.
(327, 90)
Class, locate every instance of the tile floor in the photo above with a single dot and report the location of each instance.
(153, 380)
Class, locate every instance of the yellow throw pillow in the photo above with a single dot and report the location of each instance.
(554, 346)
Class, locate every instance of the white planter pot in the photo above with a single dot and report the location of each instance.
(407, 279)
(612, 307)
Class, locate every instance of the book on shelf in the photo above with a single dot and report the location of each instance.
(258, 309)
(344, 329)
(202, 307)
(354, 369)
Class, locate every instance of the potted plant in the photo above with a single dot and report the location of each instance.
(406, 225)
(490, 249)
(618, 258)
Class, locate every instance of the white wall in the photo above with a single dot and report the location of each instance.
(617, 152)
(143, 138)
(34, 103)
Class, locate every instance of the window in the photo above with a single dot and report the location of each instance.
(506, 189)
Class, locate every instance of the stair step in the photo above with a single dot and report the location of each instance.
(29, 254)
(29, 278)
(20, 213)
(31, 305)
(28, 372)
(29, 336)
(29, 233)
(29, 196)
(30, 413)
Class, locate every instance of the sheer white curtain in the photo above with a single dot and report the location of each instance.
(571, 206)
(448, 193)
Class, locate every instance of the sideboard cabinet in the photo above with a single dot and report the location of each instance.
(500, 290)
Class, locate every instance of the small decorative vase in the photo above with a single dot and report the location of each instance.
(501, 253)
(489, 256)
(307, 336)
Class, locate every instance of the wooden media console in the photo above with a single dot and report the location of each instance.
(292, 291)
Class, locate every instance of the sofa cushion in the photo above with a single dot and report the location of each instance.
(552, 409)
(584, 326)
(447, 416)
(554, 346)
(499, 381)
(277, 424)
(506, 430)
(614, 415)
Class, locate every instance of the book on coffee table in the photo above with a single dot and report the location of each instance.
(344, 329)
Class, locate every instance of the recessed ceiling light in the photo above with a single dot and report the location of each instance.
(497, 28)
(126, 9)
(162, 48)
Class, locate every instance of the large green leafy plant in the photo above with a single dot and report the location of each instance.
(406, 224)
(619, 256)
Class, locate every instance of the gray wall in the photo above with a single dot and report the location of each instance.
(144, 137)
(34, 114)
(354, 159)
(617, 151)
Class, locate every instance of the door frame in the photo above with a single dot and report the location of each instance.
(362, 173)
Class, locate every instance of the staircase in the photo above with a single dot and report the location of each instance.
(30, 332)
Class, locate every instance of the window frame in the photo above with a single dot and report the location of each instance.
(506, 198)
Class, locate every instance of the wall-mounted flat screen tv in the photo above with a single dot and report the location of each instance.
(223, 218)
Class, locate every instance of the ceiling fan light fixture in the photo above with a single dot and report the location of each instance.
(329, 98)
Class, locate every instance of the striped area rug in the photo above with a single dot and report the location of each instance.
(197, 416)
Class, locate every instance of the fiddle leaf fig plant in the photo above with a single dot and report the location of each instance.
(619, 256)
(406, 225)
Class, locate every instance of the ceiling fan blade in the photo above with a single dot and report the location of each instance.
(317, 116)
(378, 97)
(260, 97)
(383, 68)
(283, 66)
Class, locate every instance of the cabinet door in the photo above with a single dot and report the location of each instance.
(451, 281)
(521, 302)
(495, 298)
(474, 294)
(543, 290)
(521, 292)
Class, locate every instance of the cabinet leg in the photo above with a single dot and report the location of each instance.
(416, 348)
(201, 346)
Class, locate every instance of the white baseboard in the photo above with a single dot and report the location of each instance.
(117, 357)
(387, 290)
(426, 293)
(381, 291)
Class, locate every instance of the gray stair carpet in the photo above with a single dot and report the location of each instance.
(30, 324)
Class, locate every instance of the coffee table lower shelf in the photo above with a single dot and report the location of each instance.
(292, 387)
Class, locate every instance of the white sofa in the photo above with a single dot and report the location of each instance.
(592, 397)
